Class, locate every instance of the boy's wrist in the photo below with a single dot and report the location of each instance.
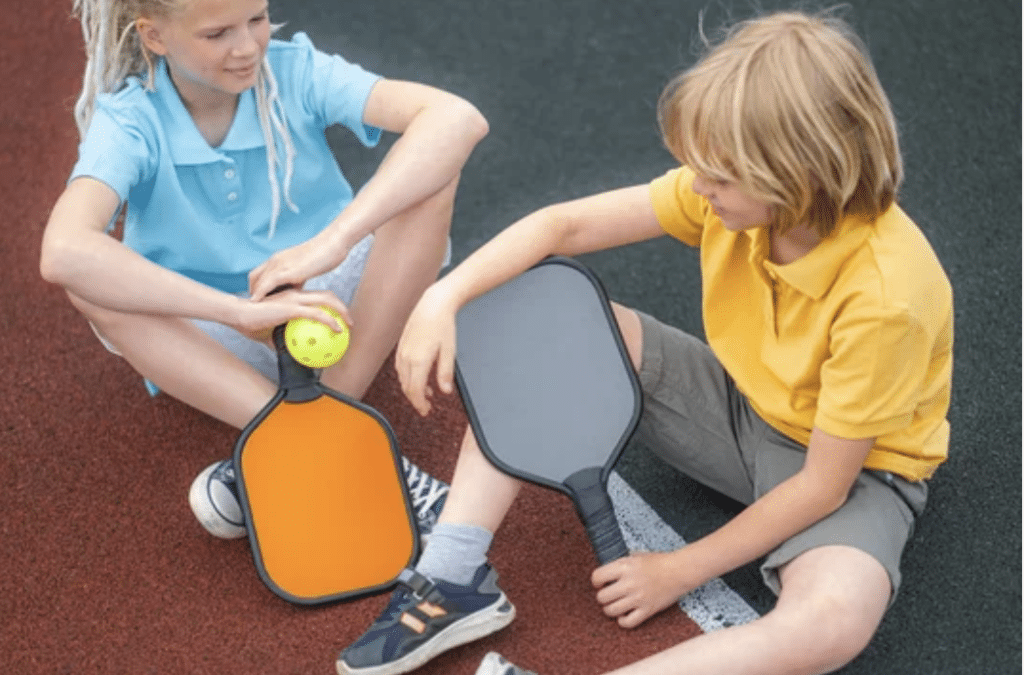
(444, 293)
(695, 567)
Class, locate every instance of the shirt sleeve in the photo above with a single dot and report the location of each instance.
(681, 212)
(117, 150)
(336, 91)
(873, 380)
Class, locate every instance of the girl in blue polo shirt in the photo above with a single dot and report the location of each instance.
(208, 138)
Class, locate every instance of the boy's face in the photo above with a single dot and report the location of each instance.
(737, 209)
(212, 47)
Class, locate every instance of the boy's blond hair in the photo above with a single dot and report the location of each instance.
(789, 107)
(115, 51)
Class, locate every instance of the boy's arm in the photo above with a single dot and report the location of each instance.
(438, 132)
(589, 224)
(636, 587)
(80, 256)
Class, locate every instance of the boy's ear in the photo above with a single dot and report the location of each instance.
(149, 33)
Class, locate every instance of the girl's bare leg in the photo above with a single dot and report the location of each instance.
(406, 256)
(192, 367)
(184, 362)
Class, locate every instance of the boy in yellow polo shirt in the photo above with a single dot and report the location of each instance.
(819, 399)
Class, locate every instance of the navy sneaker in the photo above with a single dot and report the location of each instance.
(214, 501)
(425, 618)
(495, 664)
(427, 494)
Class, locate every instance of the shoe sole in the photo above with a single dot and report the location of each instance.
(473, 627)
(207, 515)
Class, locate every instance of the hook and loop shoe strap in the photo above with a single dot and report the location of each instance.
(418, 616)
(415, 582)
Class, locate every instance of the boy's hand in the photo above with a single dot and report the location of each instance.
(635, 588)
(428, 338)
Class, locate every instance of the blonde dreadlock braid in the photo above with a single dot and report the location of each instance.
(115, 52)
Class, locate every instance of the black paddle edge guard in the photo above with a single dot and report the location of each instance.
(588, 492)
(314, 389)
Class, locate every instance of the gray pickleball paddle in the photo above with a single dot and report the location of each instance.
(549, 389)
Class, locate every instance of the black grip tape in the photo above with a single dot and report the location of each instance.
(598, 516)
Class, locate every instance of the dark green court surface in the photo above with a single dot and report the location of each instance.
(570, 87)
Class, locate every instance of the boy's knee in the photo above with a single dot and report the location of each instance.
(836, 625)
(850, 624)
(632, 333)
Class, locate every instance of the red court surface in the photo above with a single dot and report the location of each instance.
(105, 570)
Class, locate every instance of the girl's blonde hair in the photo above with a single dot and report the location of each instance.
(115, 52)
(789, 107)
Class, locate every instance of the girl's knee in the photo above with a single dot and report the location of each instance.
(434, 212)
(105, 323)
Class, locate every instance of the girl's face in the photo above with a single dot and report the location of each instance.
(213, 48)
(737, 209)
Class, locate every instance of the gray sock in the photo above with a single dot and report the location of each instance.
(454, 552)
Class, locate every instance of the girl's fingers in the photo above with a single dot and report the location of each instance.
(331, 300)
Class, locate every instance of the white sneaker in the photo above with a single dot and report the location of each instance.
(214, 501)
(496, 664)
(427, 495)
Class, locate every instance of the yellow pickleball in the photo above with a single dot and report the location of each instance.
(315, 344)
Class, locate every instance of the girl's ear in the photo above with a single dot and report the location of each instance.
(149, 33)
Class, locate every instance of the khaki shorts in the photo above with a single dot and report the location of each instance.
(697, 421)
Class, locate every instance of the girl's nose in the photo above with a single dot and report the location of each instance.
(246, 44)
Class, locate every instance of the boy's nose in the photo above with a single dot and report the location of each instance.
(701, 186)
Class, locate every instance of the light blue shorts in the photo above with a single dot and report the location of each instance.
(343, 280)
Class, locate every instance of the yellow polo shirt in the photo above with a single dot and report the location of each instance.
(855, 337)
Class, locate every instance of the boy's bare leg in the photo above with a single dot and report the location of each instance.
(831, 603)
(406, 256)
(480, 494)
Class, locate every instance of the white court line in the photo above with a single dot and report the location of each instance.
(712, 606)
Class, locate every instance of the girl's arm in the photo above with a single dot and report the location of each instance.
(438, 132)
(590, 224)
(79, 255)
(636, 587)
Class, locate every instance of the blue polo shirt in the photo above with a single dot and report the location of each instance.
(205, 212)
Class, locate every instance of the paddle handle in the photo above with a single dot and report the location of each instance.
(595, 510)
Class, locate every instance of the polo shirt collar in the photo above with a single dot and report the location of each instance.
(814, 273)
(186, 144)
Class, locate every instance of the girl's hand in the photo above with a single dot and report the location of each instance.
(635, 588)
(258, 318)
(428, 338)
(293, 267)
